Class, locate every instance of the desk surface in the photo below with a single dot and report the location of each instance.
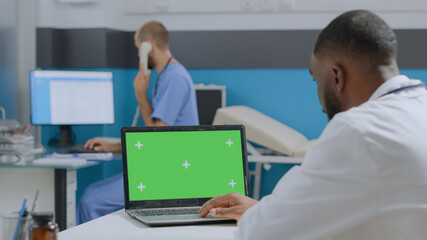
(119, 225)
(27, 161)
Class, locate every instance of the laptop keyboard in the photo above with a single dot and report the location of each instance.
(168, 211)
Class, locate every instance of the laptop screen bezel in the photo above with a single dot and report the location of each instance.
(177, 202)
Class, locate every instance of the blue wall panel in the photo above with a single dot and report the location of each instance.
(420, 74)
(8, 93)
(288, 95)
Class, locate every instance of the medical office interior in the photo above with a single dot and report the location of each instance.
(256, 53)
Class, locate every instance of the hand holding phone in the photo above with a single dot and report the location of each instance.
(141, 81)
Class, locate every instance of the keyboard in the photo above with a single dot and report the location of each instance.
(168, 211)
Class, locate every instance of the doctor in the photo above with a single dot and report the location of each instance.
(366, 177)
(173, 103)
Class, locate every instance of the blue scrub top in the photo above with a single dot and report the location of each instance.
(174, 98)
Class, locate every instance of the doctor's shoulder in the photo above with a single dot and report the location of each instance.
(370, 112)
(372, 122)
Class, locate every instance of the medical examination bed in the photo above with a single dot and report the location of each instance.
(281, 144)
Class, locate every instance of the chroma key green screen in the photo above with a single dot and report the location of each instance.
(185, 164)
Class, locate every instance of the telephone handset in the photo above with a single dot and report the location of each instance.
(144, 50)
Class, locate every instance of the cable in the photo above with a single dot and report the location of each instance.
(135, 117)
(3, 113)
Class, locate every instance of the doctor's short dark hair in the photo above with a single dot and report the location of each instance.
(358, 33)
(156, 32)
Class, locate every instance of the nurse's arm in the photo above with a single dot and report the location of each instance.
(140, 85)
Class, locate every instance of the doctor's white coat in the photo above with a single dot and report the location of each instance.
(365, 179)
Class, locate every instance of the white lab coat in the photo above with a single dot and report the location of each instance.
(365, 179)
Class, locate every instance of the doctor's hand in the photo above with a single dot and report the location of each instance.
(232, 205)
(98, 145)
(141, 82)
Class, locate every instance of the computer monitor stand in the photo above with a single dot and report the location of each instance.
(65, 137)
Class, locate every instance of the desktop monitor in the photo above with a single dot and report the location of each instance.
(68, 98)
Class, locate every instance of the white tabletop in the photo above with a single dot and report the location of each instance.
(119, 225)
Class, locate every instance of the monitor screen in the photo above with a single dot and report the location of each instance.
(184, 164)
(71, 97)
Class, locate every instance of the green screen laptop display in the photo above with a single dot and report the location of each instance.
(184, 164)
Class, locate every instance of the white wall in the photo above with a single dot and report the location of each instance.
(17, 56)
(8, 62)
(302, 14)
(26, 55)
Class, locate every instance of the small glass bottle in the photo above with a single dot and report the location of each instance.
(42, 226)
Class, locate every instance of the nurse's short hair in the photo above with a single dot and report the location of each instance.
(358, 33)
(156, 32)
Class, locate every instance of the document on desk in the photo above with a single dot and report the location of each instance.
(52, 161)
(88, 156)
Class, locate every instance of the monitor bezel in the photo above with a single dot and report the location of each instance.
(66, 124)
(178, 202)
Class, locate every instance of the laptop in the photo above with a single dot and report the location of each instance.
(170, 172)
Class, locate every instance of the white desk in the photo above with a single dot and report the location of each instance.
(57, 185)
(119, 225)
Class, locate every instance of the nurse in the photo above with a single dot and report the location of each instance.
(366, 176)
(173, 102)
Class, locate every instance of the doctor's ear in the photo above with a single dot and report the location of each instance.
(338, 78)
(151, 44)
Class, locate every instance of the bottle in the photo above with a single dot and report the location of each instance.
(43, 227)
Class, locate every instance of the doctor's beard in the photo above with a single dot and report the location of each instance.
(150, 63)
(332, 104)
